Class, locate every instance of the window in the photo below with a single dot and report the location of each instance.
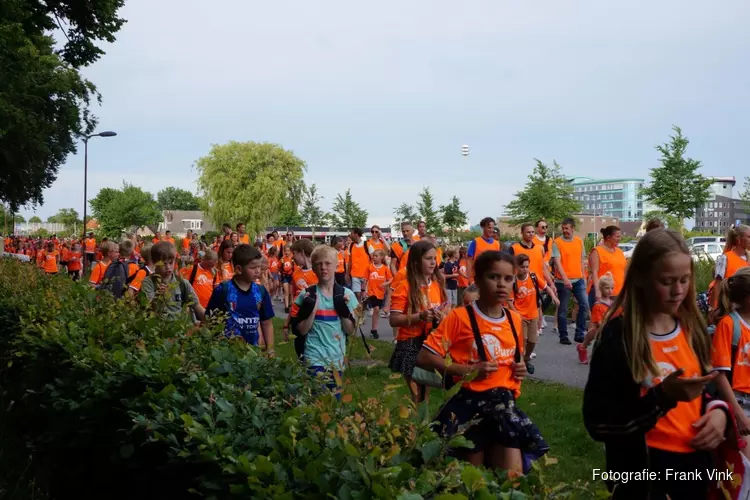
(192, 224)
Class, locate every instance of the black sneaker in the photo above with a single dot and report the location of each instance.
(530, 368)
(565, 341)
(374, 334)
(578, 340)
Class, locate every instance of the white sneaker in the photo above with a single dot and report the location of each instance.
(544, 322)
(532, 356)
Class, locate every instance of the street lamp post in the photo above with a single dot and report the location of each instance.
(107, 133)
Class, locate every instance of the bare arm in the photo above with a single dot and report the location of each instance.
(347, 325)
(430, 361)
(559, 269)
(397, 319)
(266, 327)
(594, 269)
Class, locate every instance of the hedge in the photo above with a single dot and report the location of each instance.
(101, 399)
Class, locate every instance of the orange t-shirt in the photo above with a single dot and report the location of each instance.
(89, 245)
(454, 336)
(65, 254)
(614, 263)
(398, 278)
(185, 272)
(155, 240)
(378, 276)
(598, 310)
(40, 258)
(273, 265)
(375, 245)
(398, 252)
(674, 431)
(359, 259)
(140, 275)
(439, 256)
(97, 274)
(287, 266)
(721, 355)
(74, 261)
(536, 261)
(170, 239)
(185, 243)
(462, 282)
(525, 298)
(303, 278)
(227, 271)
(432, 297)
(245, 238)
(205, 282)
(50, 262)
(341, 264)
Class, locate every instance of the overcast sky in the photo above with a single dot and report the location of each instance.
(379, 97)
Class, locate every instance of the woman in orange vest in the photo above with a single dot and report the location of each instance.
(605, 258)
(481, 244)
(735, 257)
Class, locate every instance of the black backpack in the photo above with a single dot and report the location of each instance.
(116, 279)
(301, 340)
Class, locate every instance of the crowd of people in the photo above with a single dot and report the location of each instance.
(664, 390)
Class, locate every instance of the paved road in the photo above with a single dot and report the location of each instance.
(554, 361)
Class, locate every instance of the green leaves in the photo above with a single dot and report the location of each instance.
(347, 213)
(677, 187)
(547, 195)
(124, 209)
(250, 182)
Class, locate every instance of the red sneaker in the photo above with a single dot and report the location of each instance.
(583, 354)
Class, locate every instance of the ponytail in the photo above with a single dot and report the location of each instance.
(734, 290)
(733, 236)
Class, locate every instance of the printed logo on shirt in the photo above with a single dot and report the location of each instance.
(743, 355)
(494, 349)
(665, 369)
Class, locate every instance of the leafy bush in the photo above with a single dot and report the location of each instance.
(110, 401)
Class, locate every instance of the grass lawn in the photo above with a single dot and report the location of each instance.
(554, 408)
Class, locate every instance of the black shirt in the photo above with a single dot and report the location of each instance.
(451, 283)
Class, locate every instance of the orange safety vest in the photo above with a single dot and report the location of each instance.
(571, 256)
(614, 263)
(734, 264)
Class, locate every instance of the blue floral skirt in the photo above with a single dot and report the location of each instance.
(492, 417)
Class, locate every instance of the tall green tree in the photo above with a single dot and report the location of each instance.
(453, 216)
(35, 220)
(249, 182)
(347, 213)
(44, 99)
(173, 198)
(312, 214)
(547, 195)
(427, 211)
(745, 194)
(676, 185)
(66, 216)
(123, 210)
(289, 213)
(404, 213)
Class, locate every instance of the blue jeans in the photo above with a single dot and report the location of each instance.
(325, 376)
(579, 291)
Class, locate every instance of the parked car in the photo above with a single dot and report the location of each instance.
(706, 251)
(627, 249)
(705, 239)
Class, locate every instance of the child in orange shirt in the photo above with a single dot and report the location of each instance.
(109, 252)
(598, 311)
(287, 271)
(303, 276)
(486, 338)
(378, 279)
(731, 348)
(51, 258)
(274, 280)
(75, 262)
(526, 300)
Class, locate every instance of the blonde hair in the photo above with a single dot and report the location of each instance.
(734, 290)
(126, 248)
(108, 246)
(324, 251)
(379, 252)
(211, 255)
(651, 249)
(606, 280)
(733, 236)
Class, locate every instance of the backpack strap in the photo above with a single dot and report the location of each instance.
(194, 273)
(536, 287)
(736, 328)
(517, 354)
(475, 330)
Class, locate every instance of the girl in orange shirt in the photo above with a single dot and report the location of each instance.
(287, 272)
(735, 257)
(379, 278)
(224, 264)
(731, 354)
(598, 311)
(75, 262)
(274, 279)
(645, 397)
(503, 436)
(416, 308)
(51, 258)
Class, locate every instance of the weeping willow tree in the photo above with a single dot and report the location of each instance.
(248, 182)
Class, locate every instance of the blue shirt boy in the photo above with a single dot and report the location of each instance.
(244, 309)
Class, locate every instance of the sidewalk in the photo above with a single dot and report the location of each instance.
(554, 361)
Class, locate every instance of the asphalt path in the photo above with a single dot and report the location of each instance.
(554, 361)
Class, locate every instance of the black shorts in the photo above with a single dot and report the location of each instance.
(90, 256)
(373, 302)
(286, 278)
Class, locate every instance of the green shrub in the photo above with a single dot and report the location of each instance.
(109, 401)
